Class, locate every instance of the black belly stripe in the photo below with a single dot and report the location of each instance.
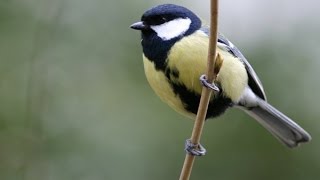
(191, 100)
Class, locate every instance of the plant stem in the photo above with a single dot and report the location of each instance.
(206, 93)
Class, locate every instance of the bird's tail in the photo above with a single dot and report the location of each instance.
(281, 126)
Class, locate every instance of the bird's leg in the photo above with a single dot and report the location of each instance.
(217, 66)
(205, 83)
(194, 149)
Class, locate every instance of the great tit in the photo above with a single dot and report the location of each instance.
(175, 46)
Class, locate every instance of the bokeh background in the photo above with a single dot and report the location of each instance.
(74, 102)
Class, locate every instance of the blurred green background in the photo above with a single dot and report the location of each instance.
(74, 102)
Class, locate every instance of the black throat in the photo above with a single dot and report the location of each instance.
(156, 49)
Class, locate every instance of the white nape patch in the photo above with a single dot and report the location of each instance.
(248, 98)
(172, 29)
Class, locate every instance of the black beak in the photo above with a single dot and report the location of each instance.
(139, 26)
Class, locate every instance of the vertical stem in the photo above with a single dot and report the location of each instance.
(206, 93)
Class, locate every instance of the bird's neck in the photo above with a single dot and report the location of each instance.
(156, 49)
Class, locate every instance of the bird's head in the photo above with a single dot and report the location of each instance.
(167, 22)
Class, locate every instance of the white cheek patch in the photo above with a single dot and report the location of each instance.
(172, 28)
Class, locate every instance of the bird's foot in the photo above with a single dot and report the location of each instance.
(194, 149)
(204, 81)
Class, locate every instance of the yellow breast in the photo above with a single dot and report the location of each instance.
(159, 83)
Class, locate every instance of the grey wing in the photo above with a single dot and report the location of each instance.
(253, 81)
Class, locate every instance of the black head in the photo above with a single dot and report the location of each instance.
(168, 21)
(161, 27)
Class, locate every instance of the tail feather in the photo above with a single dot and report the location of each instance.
(278, 124)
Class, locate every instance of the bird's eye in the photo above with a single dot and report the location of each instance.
(158, 20)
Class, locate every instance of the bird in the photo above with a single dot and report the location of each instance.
(175, 46)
